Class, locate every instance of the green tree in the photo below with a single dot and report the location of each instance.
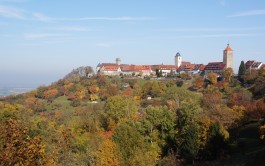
(132, 146)
(158, 125)
(218, 139)
(118, 107)
(187, 138)
(156, 90)
(241, 70)
(158, 73)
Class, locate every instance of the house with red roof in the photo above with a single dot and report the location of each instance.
(165, 69)
(253, 65)
(179, 67)
(112, 69)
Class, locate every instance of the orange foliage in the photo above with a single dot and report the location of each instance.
(199, 82)
(93, 89)
(50, 94)
(127, 92)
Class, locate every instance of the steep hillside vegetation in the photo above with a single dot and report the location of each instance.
(116, 121)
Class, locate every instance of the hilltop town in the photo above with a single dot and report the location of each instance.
(114, 69)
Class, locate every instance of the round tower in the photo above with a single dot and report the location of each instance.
(228, 57)
(178, 60)
(118, 61)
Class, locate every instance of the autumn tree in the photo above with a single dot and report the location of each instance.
(107, 154)
(127, 92)
(40, 91)
(212, 77)
(185, 76)
(228, 74)
(146, 89)
(50, 94)
(198, 83)
(109, 90)
(35, 104)
(216, 109)
(258, 88)
(17, 147)
(93, 89)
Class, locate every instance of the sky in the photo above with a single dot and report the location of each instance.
(42, 41)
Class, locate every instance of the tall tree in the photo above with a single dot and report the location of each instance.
(242, 69)
(107, 154)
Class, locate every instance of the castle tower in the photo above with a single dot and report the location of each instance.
(228, 56)
(118, 61)
(178, 60)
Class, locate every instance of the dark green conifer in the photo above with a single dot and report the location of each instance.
(242, 69)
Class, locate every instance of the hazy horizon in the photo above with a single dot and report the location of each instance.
(42, 41)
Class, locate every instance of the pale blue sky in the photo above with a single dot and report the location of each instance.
(41, 41)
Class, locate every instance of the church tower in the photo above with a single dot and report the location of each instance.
(178, 59)
(228, 57)
(118, 61)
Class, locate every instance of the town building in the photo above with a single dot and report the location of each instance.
(115, 69)
(165, 69)
(253, 65)
(180, 66)
(219, 67)
(178, 60)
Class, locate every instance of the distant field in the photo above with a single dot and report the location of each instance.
(13, 90)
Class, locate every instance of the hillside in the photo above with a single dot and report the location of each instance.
(133, 121)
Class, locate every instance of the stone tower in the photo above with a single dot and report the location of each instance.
(228, 57)
(118, 61)
(178, 59)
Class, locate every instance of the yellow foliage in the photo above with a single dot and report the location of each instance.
(204, 129)
(239, 110)
(107, 154)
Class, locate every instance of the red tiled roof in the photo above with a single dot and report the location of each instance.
(136, 68)
(202, 67)
(228, 48)
(215, 66)
(164, 67)
(184, 65)
(111, 68)
(190, 67)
